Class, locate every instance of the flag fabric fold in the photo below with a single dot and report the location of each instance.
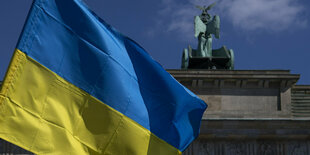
(77, 86)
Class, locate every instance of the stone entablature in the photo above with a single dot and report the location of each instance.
(241, 93)
(235, 78)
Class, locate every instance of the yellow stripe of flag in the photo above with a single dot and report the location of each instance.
(38, 120)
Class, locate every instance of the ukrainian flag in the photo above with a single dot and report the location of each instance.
(77, 86)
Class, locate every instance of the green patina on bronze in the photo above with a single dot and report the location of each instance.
(204, 57)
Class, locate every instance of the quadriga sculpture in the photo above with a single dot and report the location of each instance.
(204, 57)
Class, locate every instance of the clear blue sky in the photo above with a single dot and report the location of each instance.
(265, 34)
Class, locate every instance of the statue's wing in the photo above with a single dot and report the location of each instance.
(214, 27)
(200, 7)
(211, 6)
(200, 27)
